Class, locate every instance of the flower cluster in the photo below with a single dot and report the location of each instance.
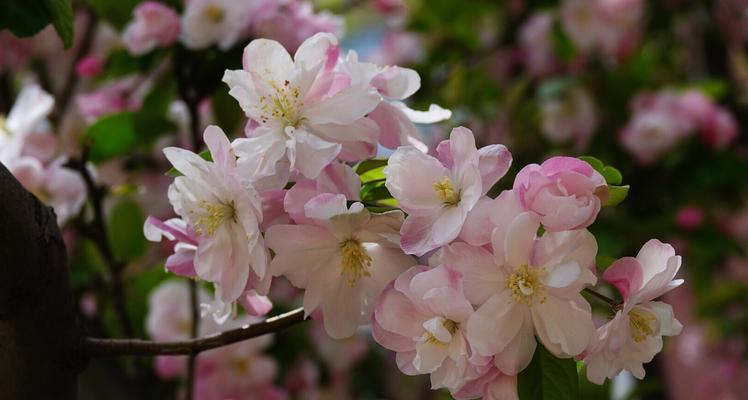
(461, 285)
(224, 23)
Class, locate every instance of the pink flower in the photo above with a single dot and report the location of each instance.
(343, 259)
(224, 212)
(422, 316)
(89, 66)
(572, 115)
(29, 110)
(535, 41)
(689, 218)
(605, 26)
(291, 21)
(634, 335)
(492, 385)
(336, 178)
(111, 98)
(527, 287)
(439, 193)
(220, 22)
(304, 113)
(566, 192)
(397, 47)
(154, 25)
(648, 135)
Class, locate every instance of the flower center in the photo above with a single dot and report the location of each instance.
(642, 323)
(214, 13)
(446, 192)
(214, 214)
(240, 365)
(449, 325)
(282, 104)
(525, 284)
(4, 130)
(355, 261)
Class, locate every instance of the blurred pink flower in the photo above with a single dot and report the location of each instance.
(565, 191)
(154, 25)
(290, 22)
(535, 42)
(571, 115)
(398, 47)
(689, 218)
(108, 99)
(89, 66)
(219, 22)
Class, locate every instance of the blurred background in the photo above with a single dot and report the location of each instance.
(658, 89)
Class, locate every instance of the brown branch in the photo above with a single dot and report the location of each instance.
(614, 304)
(135, 347)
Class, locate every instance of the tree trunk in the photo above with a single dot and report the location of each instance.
(40, 341)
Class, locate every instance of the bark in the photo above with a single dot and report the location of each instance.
(41, 350)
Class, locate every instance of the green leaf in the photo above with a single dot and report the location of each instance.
(160, 97)
(562, 44)
(369, 165)
(226, 110)
(617, 194)
(111, 136)
(548, 378)
(205, 154)
(117, 13)
(594, 162)
(612, 175)
(28, 17)
(376, 194)
(589, 390)
(126, 231)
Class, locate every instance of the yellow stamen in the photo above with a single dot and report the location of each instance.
(641, 321)
(355, 261)
(525, 284)
(240, 365)
(449, 325)
(284, 104)
(446, 191)
(4, 130)
(214, 13)
(213, 216)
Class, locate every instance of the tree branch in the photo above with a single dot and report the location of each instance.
(135, 347)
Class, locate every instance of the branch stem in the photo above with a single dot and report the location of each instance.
(135, 347)
(614, 304)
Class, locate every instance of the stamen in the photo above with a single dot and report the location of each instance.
(355, 261)
(641, 321)
(449, 325)
(213, 216)
(446, 192)
(214, 13)
(525, 284)
(283, 104)
(4, 130)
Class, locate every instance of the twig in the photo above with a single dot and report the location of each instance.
(71, 80)
(99, 235)
(614, 304)
(135, 347)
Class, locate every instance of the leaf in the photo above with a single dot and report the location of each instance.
(27, 17)
(376, 193)
(548, 378)
(612, 175)
(126, 231)
(117, 13)
(594, 162)
(160, 97)
(589, 390)
(369, 165)
(226, 110)
(118, 134)
(562, 44)
(617, 194)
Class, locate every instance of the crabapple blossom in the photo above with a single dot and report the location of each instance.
(291, 21)
(154, 25)
(527, 287)
(111, 98)
(422, 315)
(566, 192)
(224, 213)
(220, 22)
(89, 66)
(61, 188)
(492, 385)
(634, 335)
(537, 48)
(302, 111)
(572, 115)
(31, 108)
(438, 194)
(336, 178)
(343, 259)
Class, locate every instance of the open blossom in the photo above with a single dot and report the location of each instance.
(609, 27)
(422, 316)
(527, 287)
(566, 192)
(343, 259)
(336, 178)
(439, 193)
(634, 335)
(291, 21)
(61, 188)
(220, 22)
(395, 120)
(31, 108)
(303, 112)
(572, 115)
(154, 25)
(224, 212)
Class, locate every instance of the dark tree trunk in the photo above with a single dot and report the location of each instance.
(40, 343)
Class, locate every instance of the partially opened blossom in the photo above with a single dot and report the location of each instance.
(291, 21)
(527, 287)
(219, 22)
(566, 192)
(422, 316)
(301, 110)
(336, 178)
(89, 66)
(154, 25)
(439, 193)
(343, 259)
(634, 335)
(223, 212)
